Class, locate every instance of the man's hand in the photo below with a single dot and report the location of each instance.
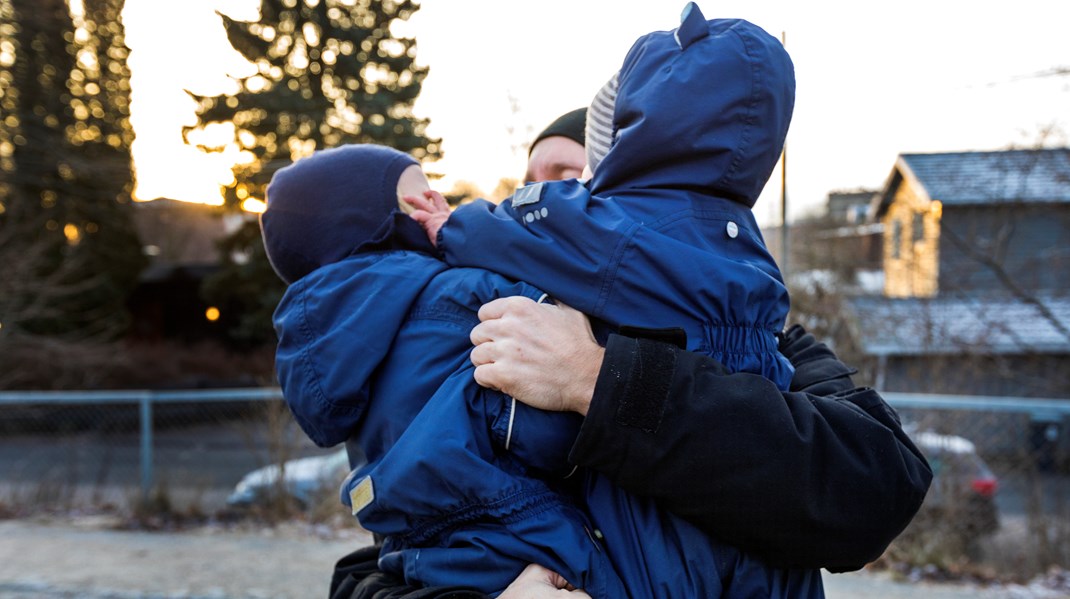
(543, 355)
(536, 582)
(431, 212)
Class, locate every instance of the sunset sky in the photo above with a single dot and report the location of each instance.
(874, 80)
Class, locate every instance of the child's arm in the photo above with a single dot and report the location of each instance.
(447, 495)
(456, 441)
(555, 236)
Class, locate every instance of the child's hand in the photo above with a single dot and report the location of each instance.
(431, 212)
(536, 582)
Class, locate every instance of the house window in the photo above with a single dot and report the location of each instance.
(897, 238)
(919, 227)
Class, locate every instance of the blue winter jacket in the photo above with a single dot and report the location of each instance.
(466, 485)
(663, 236)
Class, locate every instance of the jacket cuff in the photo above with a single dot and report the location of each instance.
(631, 392)
(440, 242)
(817, 369)
(649, 377)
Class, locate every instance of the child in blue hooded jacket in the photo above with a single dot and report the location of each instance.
(680, 142)
(463, 483)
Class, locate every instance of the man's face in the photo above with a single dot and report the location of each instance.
(555, 158)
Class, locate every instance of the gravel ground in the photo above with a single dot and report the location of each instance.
(88, 558)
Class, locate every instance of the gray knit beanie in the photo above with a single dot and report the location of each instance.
(599, 130)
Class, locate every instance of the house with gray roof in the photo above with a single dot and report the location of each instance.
(976, 262)
(182, 244)
(976, 222)
(967, 345)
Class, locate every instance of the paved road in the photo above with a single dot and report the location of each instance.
(85, 559)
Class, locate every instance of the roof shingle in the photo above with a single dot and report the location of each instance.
(1040, 175)
(942, 325)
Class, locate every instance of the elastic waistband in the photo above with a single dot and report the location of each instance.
(509, 508)
(729, 339)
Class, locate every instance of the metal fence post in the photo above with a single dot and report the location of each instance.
(146, 446)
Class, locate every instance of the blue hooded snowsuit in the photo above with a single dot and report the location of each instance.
(663, 236)
(465, 485)
(454, 479)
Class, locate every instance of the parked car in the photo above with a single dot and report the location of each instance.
(305, 480)
(962, 496)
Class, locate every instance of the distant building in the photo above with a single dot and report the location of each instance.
(181, 240)
(175, 233)
(838, 247)
(976, 222)
(850, 207)
(976, 263)
(967, 345)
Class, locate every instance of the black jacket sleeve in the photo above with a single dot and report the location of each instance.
(819, 476)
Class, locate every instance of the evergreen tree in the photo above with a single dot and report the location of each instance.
(328, 73)
(66, 231)
(102, 136)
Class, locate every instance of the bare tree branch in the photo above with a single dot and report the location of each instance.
(1005, 279)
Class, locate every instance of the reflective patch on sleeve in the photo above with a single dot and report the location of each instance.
(512, 416)
(529, 194)
(362, 494)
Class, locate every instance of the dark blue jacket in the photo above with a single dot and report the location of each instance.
(466, 485)
(664, 236)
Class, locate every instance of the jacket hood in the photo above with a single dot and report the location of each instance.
(704, 107)
(331, 204)
(335, 327)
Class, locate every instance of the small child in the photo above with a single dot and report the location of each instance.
(680, 142)
(465, 485)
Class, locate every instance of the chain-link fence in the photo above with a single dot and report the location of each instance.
(1000, 498)
(176, 451)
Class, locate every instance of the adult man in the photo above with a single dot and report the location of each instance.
(557, 152)
(821, 476)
